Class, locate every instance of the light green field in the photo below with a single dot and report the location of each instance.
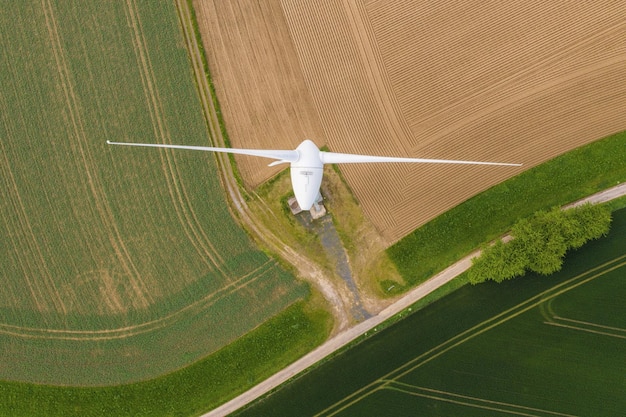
(118, 264)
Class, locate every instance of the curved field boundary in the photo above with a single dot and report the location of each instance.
(205, 15)
(472, 80)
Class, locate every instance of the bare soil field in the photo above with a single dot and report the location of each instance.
(463, 80)
(261, 89)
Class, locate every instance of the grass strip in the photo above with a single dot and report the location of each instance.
(454, 234)
(189, 391)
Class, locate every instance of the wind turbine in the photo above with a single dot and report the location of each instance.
(307, 163)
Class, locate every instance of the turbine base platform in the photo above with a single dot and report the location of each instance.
(317, 211)
(293, 206)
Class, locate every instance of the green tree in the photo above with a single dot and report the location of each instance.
(593, 222)
(540, 243)
(543, 240)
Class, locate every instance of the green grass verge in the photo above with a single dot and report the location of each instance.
(617, 204)
(190, 391)
(454, 234)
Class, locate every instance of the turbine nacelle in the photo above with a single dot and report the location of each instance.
(306, 174)
(307, 163)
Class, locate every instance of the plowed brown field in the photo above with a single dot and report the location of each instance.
(511, 82)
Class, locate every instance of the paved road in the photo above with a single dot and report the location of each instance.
(347, 336)
(603, 196)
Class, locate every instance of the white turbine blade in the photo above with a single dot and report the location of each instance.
(345, 158)
(281, 155)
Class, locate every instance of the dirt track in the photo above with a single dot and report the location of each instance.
(469, 80)
(307, 269)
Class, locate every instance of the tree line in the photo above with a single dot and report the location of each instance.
(539, 243)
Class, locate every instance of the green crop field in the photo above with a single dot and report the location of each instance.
(545, 356)
(117, 264)
(532, 346)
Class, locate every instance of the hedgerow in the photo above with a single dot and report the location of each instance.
(540, 242)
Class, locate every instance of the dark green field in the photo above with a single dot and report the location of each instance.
(541, 346)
